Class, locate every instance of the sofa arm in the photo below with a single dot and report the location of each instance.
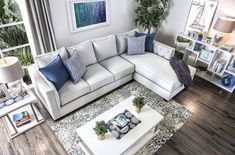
(46, 91)
(163, 50)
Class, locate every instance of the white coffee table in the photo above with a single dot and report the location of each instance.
(128, 144)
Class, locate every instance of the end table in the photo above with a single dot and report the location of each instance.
(25, 104)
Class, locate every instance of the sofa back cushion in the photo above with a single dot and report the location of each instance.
(86, 52)
(45, 59)
(121, 40)
(131, 33)
(105, 47)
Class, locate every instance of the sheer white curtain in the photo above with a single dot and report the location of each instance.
(38, 25)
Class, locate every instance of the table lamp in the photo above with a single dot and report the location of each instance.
(11, 70)
(223, 25)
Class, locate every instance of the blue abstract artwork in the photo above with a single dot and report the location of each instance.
(90, 13)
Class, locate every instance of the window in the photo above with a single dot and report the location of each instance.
(13, 38)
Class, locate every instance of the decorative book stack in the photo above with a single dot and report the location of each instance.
(21, 119)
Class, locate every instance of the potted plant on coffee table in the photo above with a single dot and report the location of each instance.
(138, 102)
(100, 129)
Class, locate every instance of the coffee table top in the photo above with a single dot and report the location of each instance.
(110, 145)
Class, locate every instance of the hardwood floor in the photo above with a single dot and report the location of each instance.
(211, 129)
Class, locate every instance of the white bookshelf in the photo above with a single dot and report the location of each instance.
(217, 54)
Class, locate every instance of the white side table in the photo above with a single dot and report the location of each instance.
(26, 104)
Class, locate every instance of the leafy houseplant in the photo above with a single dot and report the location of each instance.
(138, 102)
(150, 13)
(100, 129)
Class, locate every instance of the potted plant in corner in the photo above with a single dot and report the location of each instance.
(138, 102)
(100, 129)
(150, 13)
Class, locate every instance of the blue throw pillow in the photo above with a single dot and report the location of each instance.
(75, 66)
(136, 45)
(56, 72)
(148, 41)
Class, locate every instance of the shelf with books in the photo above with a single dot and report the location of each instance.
(13, 112)
(34, 121)
(206, 54)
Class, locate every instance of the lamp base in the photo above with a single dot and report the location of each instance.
(16, 87)
(218, 38)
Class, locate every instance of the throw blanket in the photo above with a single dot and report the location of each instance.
(182, 71)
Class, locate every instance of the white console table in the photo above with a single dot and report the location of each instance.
(193, 48)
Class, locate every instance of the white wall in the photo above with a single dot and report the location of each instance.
(177, 17)
(122, 19)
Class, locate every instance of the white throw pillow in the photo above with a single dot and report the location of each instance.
(163, 51)
(86, 52)
(105, 47)
(45, 59)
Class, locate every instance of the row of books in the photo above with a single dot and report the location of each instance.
(219, 65)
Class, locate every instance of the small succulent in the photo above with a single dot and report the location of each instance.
(100, 128)
(200, 34)
(138, 102)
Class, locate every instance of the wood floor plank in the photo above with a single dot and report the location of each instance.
(210, 131)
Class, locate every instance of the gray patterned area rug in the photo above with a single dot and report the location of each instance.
(175, 115)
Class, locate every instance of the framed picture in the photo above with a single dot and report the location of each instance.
(206, 55)
(200, 15)
(88, 14)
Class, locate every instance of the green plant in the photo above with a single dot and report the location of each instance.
(26, 77)
(2, 94)
(9, 12)
(12, 36)
(100, 128)
(200, 34)
(24, 55)
(150, 13)
(183, 40)
(138, 102)
(202, 68)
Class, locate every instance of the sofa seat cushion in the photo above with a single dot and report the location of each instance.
(118, 66)
(70, 91)
(97, 76)
(156, 69)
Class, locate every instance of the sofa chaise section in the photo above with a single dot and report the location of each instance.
(156, 73)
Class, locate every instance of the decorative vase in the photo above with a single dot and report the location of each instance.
(199, 38)
(228, 81)
(101, 137)
(138, 110)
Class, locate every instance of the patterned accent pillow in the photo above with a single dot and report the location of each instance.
(136, 45)
(75, 66)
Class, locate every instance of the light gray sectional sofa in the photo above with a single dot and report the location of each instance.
(108, 67)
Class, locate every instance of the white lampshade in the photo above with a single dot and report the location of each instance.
(224, 24)
(10, 69)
